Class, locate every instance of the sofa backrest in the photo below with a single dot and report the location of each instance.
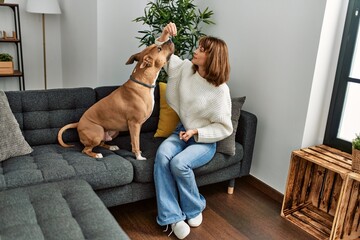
(41, 113)
(152, 122)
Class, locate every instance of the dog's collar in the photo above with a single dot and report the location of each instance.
(141, 83)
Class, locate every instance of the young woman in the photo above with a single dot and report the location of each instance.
(198, 92)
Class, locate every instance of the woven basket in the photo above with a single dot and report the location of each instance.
(356, 160)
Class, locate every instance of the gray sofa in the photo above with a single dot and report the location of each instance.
(117, 178)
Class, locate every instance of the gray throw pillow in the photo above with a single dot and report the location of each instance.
(12, 142)
(227, 145)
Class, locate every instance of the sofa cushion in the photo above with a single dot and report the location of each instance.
(143, 170)
(168, 118)
(61, 210)
(227, 145)
(54, 163)
(41, 113)
(12, 142)
(221, 161)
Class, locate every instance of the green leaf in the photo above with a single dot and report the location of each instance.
(356, 142)
(5, 57)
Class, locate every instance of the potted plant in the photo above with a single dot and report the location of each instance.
(188, 19)
(356, 153)
(6, 64)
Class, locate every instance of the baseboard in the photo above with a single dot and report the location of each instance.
(263, 187)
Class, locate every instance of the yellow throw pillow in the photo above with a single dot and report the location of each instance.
(168, 118)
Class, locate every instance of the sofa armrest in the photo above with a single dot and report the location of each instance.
(245, 135)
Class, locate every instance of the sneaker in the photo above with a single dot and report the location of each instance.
(196, 221)
(180, 229)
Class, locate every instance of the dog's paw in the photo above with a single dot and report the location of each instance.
(99, 155)
(138, 156)
(141, 158)
(113, 148)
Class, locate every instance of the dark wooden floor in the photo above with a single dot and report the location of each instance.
(247, 214)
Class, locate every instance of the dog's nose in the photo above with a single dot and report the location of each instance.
(169, 43)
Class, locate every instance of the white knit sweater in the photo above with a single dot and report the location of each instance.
(199, 104)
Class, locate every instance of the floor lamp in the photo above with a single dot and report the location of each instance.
(43, 7)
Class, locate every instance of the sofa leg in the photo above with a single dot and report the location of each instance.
(231, 186)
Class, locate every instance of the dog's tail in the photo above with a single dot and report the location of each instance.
(62, 130)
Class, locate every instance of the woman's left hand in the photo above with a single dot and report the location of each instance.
(169, 30)
(185, 136)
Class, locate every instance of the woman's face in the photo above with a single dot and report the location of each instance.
(199, 57)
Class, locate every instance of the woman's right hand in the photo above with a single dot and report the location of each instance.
(169, 30)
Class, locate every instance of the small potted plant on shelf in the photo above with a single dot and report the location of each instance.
(356, 153)
(6, 64)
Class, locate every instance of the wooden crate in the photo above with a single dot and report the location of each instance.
(315, 184)
(347, 225)
(6, 68)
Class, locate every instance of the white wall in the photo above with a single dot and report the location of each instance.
(79, 43)
(116, 39)
(273, 53)
(273, 47)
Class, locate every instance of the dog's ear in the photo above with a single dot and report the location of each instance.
(148, 61)
(133, 58)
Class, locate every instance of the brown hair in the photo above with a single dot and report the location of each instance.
(217, 64)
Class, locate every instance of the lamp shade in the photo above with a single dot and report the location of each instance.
(43, 6)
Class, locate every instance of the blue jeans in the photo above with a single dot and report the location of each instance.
(177, 194)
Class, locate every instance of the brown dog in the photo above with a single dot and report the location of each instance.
(126, 108)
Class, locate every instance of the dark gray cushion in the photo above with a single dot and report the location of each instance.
(12, 142)
(61, 210)
(143, 170)
(221, 161)
(53, 163)
(227, 145)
